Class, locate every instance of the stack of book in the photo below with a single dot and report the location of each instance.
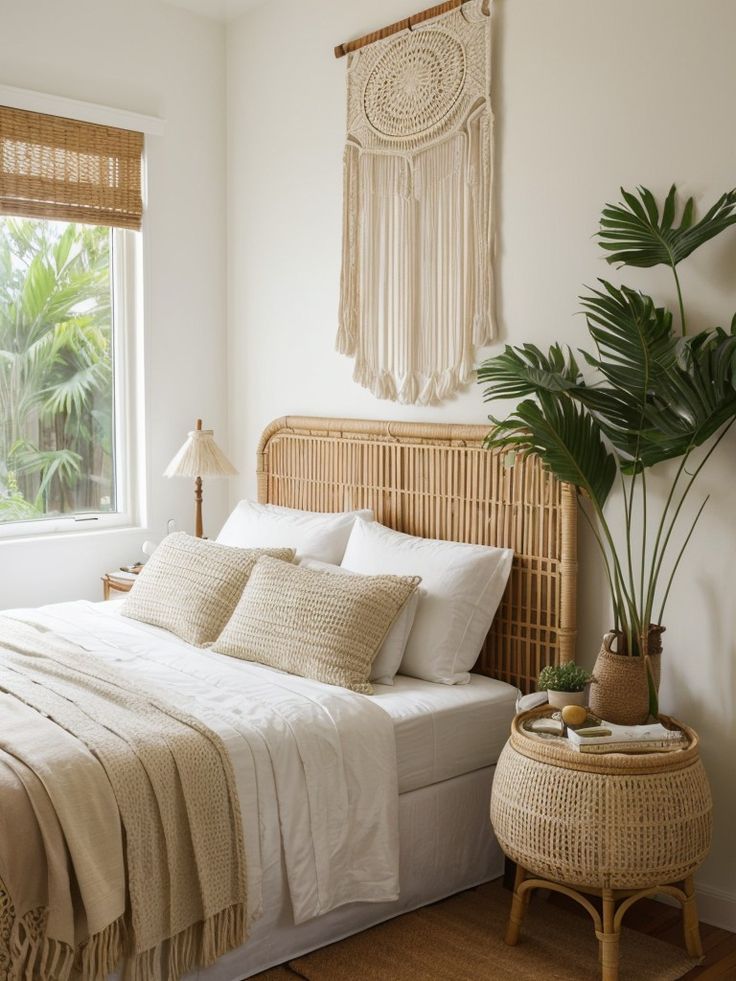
(122, 576)
(609, 738)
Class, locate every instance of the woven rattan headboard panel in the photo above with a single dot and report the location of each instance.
(438, 481)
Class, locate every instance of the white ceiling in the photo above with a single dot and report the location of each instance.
(222, 10)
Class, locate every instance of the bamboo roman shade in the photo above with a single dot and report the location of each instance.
(52, 167)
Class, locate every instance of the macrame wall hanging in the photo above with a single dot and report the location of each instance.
(416, 296)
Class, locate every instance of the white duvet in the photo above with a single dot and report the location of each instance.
(317, 761)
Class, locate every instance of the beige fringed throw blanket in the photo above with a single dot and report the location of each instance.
(120, 827)
(416, 286)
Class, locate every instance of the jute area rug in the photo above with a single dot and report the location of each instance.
(461, 939)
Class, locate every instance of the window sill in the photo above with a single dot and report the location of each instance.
(68, 530)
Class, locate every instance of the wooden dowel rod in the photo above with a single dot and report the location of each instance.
(401, 25)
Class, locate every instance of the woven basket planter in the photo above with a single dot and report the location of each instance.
(609, 821)
(620, 692)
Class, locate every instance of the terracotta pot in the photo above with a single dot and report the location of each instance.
(559, 699)
(620, 692)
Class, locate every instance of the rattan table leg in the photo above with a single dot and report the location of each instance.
(518, 908)
(690, 922)
(609, 938)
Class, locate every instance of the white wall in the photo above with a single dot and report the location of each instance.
(588, 96)
(165, 62)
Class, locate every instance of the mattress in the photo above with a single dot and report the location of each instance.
(444, 731)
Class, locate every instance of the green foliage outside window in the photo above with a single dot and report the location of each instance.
(56, 369)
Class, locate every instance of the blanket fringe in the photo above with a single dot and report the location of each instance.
(202, 943)
(25, 951)
(197, 946)
(99, 956)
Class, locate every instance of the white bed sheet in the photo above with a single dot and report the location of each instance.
(443, 731)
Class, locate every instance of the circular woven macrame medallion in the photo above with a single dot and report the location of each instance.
(415, 84)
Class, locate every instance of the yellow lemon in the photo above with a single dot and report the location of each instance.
(574, 715)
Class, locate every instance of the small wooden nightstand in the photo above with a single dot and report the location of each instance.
(617, 826)
(111, 584)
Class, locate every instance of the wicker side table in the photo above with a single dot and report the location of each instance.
(616, 826)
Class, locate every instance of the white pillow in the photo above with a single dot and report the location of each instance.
(392, 650)
(314, 534)
(462, 586)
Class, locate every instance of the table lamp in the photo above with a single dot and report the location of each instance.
(200, 456)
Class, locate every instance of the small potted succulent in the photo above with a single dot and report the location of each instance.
(565, 684)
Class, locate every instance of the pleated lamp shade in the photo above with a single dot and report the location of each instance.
(200, 456)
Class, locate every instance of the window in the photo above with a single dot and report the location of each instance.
(57, 370)
(68, 195)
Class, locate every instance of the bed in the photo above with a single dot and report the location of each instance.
(437, 744)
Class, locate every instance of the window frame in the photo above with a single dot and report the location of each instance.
(126, 263)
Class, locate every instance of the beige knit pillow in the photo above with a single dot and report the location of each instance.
(191, 586)
(313, 623)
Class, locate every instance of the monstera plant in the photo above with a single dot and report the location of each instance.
(648, 392)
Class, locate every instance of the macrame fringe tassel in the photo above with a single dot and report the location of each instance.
(416, 330)
(348, 314)
(480, 183)
(413, 389)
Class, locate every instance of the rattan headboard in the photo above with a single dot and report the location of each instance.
(438, 482)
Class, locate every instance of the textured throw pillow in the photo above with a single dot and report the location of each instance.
(392, 650)
(191, 586)
(313, 623)
(314, 534)
(462, 586)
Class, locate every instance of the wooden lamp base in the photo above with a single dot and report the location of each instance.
(198, 507)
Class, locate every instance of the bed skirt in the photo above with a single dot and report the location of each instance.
(446, 845)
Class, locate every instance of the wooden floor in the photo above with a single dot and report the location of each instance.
(665, 922)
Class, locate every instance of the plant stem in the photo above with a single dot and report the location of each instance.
(682, 552)
(606, 563)
(627, 517)
(643, 539)
(652, 581)
(679, 298)
(655, 573)
(630, 622)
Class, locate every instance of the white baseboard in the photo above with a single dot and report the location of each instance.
(715, 906)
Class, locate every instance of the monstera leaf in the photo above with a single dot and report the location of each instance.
(636, 235)
(566, 438)
(525, 370)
